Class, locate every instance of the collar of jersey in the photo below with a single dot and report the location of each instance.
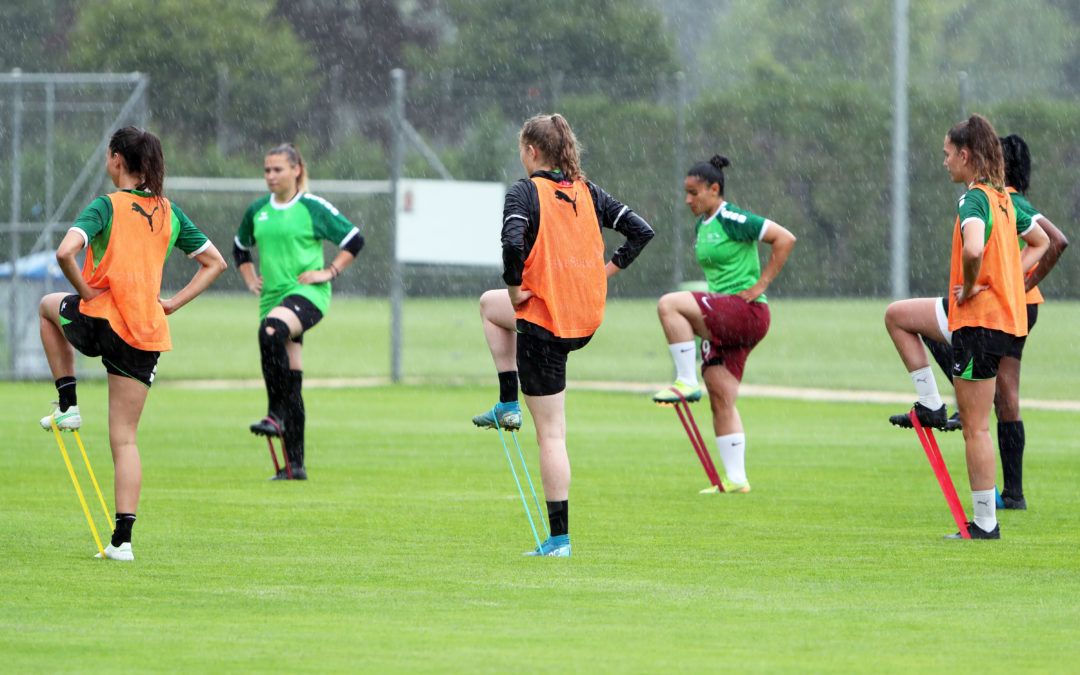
(281, 207)
(723, 203)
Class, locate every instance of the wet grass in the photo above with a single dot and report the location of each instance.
(401, 554)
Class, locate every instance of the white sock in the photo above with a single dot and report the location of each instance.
(733, 454)
(684, 354)
(926, 387)
(985, 506)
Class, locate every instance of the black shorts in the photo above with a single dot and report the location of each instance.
(541, 362)
(305, 310)
(95, 337)
(976, 352)
(1017, 349)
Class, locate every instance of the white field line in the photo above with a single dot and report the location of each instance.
(751, 390)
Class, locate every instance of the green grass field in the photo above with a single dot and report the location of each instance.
(402, 553)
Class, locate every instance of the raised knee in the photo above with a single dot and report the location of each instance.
(272, 329)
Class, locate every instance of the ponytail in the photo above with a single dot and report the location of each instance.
(143, 157)
(552, 136)
(978, 136)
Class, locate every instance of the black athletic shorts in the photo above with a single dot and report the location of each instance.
(95, 337)
(305, 310)
(1017, 349)
(541, 362)
(976, 352)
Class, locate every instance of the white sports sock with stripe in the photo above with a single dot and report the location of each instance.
(926, 387)
(732, 449)
(684, 354)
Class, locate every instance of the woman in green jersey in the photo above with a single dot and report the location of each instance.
(118, 312)
(293, 284)
(731, 318)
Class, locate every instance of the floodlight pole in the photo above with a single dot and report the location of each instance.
(680, 167)
(397, 290)
(900, 216)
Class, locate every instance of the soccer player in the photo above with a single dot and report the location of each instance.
(293, 285)
(731, 318)
(1010, 427)
(556, 287)
(118, 313)
(987, 311)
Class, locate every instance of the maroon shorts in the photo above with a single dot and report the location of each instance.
(736, 327)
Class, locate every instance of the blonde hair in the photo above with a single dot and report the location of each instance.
(552, 136)
(295, 160)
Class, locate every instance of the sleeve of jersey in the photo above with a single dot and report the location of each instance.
(245, 236)
(613, 214)
(519, 215)
(329, 224)
(975, 206)
(190, 239)
(93, 219)
(1025, 217)
(743, 225)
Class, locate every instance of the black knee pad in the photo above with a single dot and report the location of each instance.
(272, 332)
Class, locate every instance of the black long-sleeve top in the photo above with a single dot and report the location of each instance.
(521, 223)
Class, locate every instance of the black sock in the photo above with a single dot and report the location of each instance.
(508, 386)
(942, 354)
(295, 418)
(1011, 449)
(273, 335)
(559, 517)
(122, 533)
(65, 387)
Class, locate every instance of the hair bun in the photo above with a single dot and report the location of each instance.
(719, 161)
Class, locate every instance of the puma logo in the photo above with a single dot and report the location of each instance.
(562, 196)
(149, 216)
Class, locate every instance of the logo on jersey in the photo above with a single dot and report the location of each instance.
(263, 216)
(563, 197)
(149, 216)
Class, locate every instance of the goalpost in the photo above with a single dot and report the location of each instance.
(45, 118)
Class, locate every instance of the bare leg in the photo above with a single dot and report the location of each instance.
(58, 351)
(681, 317)
(1007, 393)
(549, 416)
(906, 320)
(975, 398)
(126, 400)
(723, 390)
(500, 328)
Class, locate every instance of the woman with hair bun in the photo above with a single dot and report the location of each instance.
(118, 312)
(556, 288)
(731, 318)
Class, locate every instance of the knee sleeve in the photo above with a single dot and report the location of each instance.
(272, 330)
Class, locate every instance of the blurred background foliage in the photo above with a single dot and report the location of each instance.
(798, 94)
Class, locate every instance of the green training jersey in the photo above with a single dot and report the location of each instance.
(974, 204)
(95, 223)
(1024, 209)
(726, 248)
(289, 237)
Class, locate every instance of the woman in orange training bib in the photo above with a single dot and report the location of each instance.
(118, 313)
(556, 287)
(987, 311)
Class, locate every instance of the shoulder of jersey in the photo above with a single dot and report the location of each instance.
(327, 205)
